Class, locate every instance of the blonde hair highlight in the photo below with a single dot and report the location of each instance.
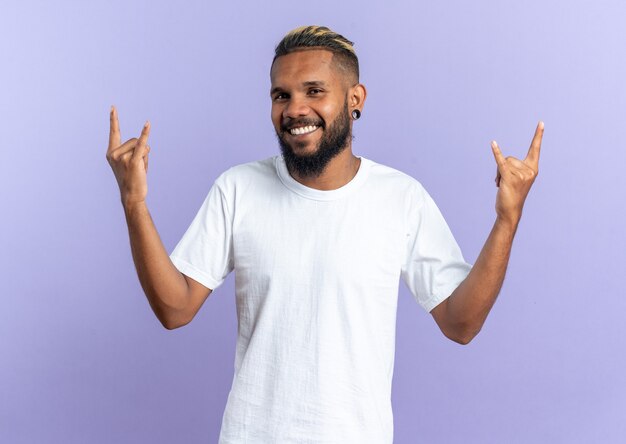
(313, 36)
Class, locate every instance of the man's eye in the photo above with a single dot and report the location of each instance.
(280, 96)
(315, 91)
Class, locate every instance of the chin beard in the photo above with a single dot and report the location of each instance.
(334, 140)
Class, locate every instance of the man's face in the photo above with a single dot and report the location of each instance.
(309, 110)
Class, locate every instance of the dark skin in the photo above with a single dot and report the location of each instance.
(309, 84)
(462, 315)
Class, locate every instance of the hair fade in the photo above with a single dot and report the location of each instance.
(320, 37)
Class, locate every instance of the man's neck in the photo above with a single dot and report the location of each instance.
(339, 171)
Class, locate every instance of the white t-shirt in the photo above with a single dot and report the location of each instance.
(316, 277)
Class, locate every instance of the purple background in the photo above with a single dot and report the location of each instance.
(84, 360)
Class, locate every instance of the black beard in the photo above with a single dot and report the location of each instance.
(334, 140)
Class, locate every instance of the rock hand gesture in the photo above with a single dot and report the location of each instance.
(515, 177)
(166, 288)
(463, 314)
(129, 162)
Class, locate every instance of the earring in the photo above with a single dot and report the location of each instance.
(356, 114)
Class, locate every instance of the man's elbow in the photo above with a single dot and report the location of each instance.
(462, 335)
(463, 340)
(174, 322)
(173, 325)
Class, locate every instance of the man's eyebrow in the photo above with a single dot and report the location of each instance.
(305, 84)
(275, 90)
(314, 83)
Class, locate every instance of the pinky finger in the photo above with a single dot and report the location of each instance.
(145, 157)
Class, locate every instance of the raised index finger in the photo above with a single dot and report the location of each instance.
(114, 131)
(500, 160)
(535, 147)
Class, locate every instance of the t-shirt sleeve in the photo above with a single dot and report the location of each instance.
(434, 265)
(205, 252)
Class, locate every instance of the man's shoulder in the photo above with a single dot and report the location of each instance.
(263, 167)
(248, 172)
(387, 176)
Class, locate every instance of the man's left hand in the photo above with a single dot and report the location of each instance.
(515, 177)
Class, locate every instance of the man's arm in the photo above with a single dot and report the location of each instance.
(461, 316)
(174, 297)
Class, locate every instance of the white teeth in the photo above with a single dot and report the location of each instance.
(303, 130)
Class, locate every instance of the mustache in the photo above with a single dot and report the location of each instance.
(286, 126)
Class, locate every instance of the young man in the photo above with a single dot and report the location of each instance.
(318, 239)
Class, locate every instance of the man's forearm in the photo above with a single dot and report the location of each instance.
(164, 286)
(463, 313)
(468, 306)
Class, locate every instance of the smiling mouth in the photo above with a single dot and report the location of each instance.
(303, 130)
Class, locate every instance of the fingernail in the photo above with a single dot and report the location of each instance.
(146, 124)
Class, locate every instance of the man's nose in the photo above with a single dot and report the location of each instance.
(296, 107)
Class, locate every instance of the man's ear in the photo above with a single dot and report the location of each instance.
(356, 96)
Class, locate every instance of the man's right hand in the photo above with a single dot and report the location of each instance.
(129, 162)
